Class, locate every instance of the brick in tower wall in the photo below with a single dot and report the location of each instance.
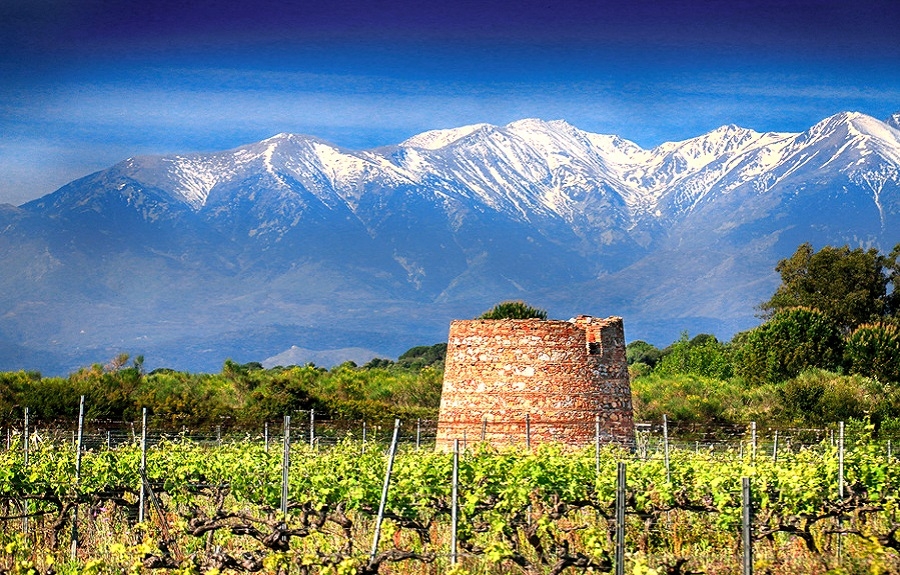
(514, 381)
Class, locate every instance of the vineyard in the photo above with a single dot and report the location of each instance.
(185, 506)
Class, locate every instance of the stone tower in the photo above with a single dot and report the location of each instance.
(513, 381)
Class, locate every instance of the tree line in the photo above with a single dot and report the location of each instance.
(241, 395)
(828, 350)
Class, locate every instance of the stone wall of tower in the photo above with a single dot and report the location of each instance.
(515, 381)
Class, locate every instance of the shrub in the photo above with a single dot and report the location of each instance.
(704, 356)
(873, 350)
(817, 397)
(423, 356)
(792, 341)
(687, 398)
(636, 370)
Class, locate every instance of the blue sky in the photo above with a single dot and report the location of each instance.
(90, 82)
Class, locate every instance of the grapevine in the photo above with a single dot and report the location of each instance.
(548, 510)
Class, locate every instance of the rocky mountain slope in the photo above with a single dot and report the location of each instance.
(293, 241)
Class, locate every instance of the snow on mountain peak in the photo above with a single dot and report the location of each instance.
(436, 139)
(538, 125)
(855, 129)
(528, 166)
(196, 178)
(867, 124)
(846, 124)
(894, 120)
(278, 137)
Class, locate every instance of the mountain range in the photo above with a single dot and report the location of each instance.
(294, 243)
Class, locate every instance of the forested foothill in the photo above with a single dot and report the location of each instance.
(827, 350)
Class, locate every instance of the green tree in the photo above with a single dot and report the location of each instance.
(422, 356)
(848, 286)
(892, 265)
(640, 351)
(792, 341)
(513, 310)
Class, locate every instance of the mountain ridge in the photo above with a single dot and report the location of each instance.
(293, 237)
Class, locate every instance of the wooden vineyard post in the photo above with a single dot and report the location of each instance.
(753, 440)
(841, 460)
(25, 446)
(840, 520)
(26, 437)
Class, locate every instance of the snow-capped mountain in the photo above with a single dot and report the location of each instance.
(296, 241)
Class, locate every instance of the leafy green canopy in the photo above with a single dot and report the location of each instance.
(639, 351)
(848, 286)
(513, 310)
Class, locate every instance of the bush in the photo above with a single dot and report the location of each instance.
(817, 397)
(792, 341)
(373, 411)
(703, 356)
(423, 356)
(873, 350)
(636, 370)
(691, 398)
